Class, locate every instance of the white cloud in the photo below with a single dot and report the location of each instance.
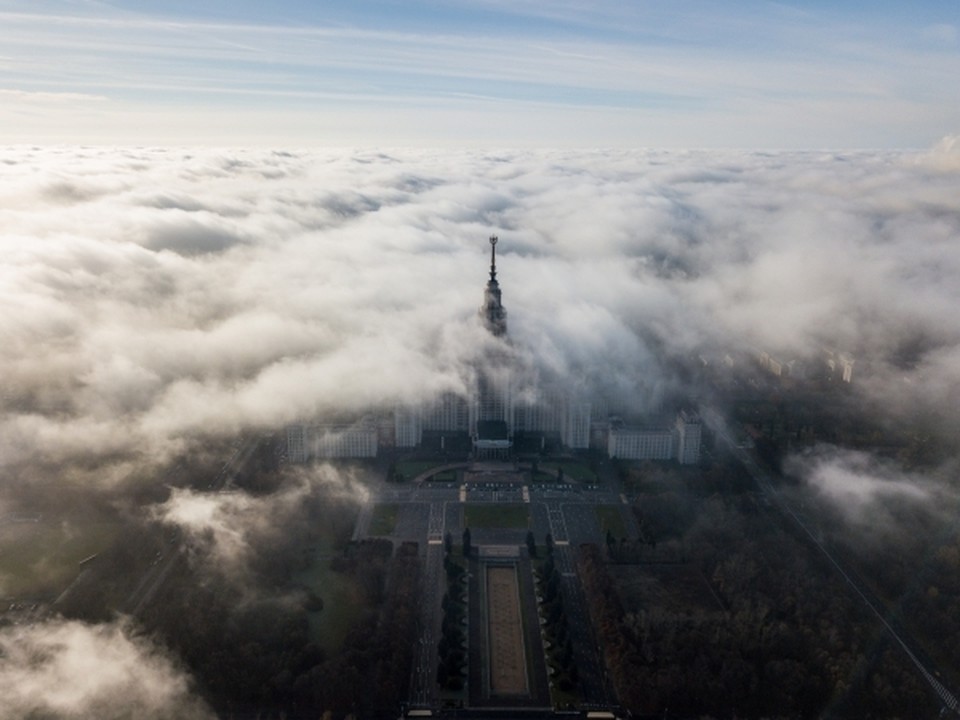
(155, 298)
(223, 529)
(855, 482)
(945, 155)
(46, 98)
(68, 669)
(159, 296)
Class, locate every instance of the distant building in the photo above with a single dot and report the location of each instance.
(771, 364)
(839, 366)
(297, 443)
(448, 413)
(321, 441)
(687, 430)
(407, 427)
(576, 425)
(656, 440)
(492, 440)
(495, 393)
(640, 443)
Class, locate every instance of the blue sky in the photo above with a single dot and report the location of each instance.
(479, 73)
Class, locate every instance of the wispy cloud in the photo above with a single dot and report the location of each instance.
(693, 67)
(48, 98)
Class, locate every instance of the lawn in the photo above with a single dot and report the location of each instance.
(384, 519)
(610, 518)
(409, 469)
(43, 558)
(341, 602)
(652, 477)
(544, 477)
(491, 515)
(575, 471)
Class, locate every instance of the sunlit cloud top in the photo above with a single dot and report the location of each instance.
(156, 297)
(746, 74)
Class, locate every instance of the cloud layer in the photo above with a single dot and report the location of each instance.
(66, 669)
(156, 296)
(155, 299)
(224, 531)
(857, 483)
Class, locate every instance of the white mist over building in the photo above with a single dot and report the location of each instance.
(502, 403)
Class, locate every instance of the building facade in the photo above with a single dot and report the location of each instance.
(307, 442)
(657, 441)
(688, 437)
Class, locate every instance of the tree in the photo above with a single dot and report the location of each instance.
(555, 613)
(531, 543)
(551, 586)
(448, 543)
(466, 542)
(549, 542)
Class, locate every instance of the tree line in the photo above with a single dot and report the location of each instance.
(252, 652)
(790, 641)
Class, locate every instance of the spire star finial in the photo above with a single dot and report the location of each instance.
(492, 311)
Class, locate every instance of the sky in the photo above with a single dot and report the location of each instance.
(442, 73)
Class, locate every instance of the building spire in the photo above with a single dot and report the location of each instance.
(492, 312)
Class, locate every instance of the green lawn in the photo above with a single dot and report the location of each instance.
(409, 469)
(384, 519)
(490, 515)
(610, 518)
(342, 602)
(544, 477)
(652, 477)
(43, 558)
(575, 471)
(342, 598)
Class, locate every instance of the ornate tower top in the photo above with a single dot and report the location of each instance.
(492, 312)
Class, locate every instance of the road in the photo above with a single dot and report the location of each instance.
(716, 423)
(423, 683)
(427, 511)
(154, 577)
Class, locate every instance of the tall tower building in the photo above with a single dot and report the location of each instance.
(493, 431)
(492, 312)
